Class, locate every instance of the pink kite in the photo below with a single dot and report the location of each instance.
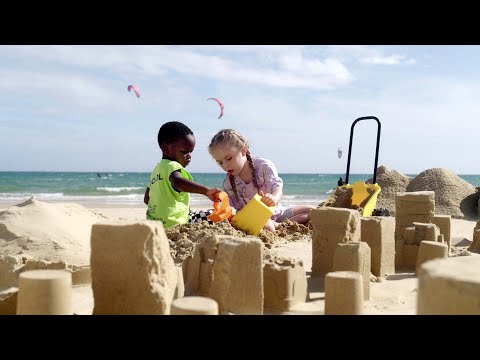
(219, 103)
(135, 88)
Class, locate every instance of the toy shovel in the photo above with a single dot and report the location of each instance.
(223, 210)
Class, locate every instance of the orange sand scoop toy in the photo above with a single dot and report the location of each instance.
(223, 210)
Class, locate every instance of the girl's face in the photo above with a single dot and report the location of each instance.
(230, 158)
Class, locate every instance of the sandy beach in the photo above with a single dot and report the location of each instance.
(395, 294)
(112, 211)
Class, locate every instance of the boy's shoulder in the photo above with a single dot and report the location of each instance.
(167, 165)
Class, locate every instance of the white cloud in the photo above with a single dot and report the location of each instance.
(385, 55)
(59, 87)
(389, 60)
(330, 68)
(264, 49)
(281, 66)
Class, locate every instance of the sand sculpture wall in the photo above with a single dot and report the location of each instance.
(449, 286)
(330, 227)
(284, 283)
(430, 250)
(379, 233)
(354, 256)
(343, 293)
(475, 245)
(198, 269)
(132, 269)
(411, 207)
(444, 223)
(237, 284)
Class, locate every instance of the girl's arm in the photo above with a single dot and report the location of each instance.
(274, 184)
(271, 199)
(277, 194)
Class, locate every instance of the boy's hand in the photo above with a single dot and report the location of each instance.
(211, 194)
(267, 199)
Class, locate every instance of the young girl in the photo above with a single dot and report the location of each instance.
(248, 176)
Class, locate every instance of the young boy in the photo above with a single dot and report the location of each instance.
(168, 194)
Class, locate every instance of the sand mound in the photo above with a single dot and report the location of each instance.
(391, 182)
(40, 233)
(183, 238)
(453, 195)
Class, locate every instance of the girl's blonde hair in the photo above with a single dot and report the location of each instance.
(233, 138)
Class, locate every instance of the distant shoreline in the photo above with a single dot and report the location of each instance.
(193, 172)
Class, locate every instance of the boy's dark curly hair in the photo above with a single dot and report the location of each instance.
(172, 131)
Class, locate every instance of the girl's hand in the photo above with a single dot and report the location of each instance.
(211, 194)
(267, 199)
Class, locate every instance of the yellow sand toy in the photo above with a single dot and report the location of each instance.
(253, 217)
(363, 196)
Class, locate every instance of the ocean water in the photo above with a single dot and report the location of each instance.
(128, 188)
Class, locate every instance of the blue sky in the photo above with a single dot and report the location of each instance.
(67, 108)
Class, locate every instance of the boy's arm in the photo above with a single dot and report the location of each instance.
(185, 185)
(146, 197)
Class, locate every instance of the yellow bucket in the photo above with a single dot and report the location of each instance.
(253, 217)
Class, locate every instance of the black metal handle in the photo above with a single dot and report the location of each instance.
(379, 128)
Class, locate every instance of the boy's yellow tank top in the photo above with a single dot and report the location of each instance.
(166, 204)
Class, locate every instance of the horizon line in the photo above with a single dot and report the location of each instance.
(198, 172)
